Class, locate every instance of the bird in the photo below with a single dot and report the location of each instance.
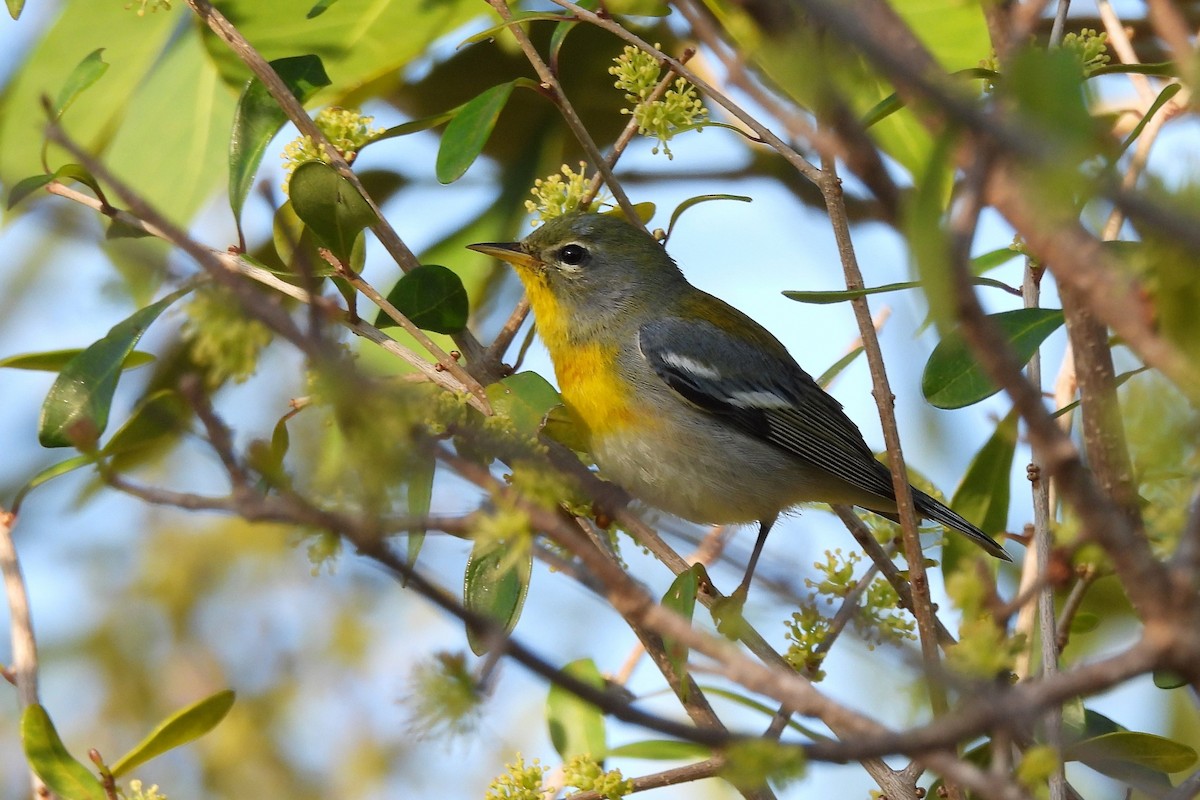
(688, 403)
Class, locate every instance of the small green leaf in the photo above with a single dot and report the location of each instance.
(76, 172)
(495, 586)
(983, 495)
(992, 259)
(329, 206)
(841, 295)
(1147, 750)
(1168, 91)
(48, 474)
(258, 118)
(86, 73)
(75, 412)
(928, 239)
(661, 750)
(836, 368)
(432, 297)
(681, 598)
(1084, 622)
(27, 186)
(1166, 679)
(415, 126)
(418, 497)
(15, 7)
(182, 727)
(1163, 69)
(320, 8)
(159, 416)
(563, 29)
(953, 377)
(49, 758)
(567, 429)
(518, 17)
(577, 726)
(465, 136)
(525, 398)
(56, 360)
(697, 200)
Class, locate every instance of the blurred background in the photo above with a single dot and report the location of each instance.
(141, 610)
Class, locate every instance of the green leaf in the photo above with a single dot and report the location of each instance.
(992, 259)
(983, 495)
(468, 132)
(1084, 622)
(1168, 91)
(182, 727)
(418, 497)
(432, 297)
(495, 584)
(1147, 750)
(258, 118)
(577, 726)
(836, 368)
(661, 750)
(86, 73)
(49, 758)
(954, 379)
(48, 474)
(25, 187)
(56, 360)
(567, 429)
(697, 200)
(525, 398)
(518, 17)
(928, 239)
(329, 206)
(414, 126)
(1163, 69)
(15, 7)
(320, 8)
(1166, 679)
(841, 295)
(158, 416)
(75, 411)
(681, 598)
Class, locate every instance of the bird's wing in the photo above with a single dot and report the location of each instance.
(758, 388)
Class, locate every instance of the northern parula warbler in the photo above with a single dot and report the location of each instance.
(689, 404)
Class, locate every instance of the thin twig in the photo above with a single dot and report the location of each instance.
(24, 669)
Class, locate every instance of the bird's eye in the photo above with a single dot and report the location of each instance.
(572, 254)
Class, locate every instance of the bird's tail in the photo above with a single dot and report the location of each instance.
(929, 508)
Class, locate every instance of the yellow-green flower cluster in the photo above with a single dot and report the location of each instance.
(1090, 47)
(585, 774)
(444, 697)
(679, 108)
(222, 339)
(520, 782)
(878, 618)
(348, 130)
(137, 792)
(142, 7)
(560, 193)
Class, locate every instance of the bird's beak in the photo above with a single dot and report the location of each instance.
(512, 252)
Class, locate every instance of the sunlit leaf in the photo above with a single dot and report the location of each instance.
(661, 750)
(86, 73)
(577, 726)
(56, 360)
(525, 398)
(157, 417)
(49, 758)
(681, 598)
(182, 727)
(953, 377)
(1168, 91)
(432, 297)
(495, 584)
(258, 118)
(75, 412)
(468, 132)
(1148, 750)
(330, 207)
